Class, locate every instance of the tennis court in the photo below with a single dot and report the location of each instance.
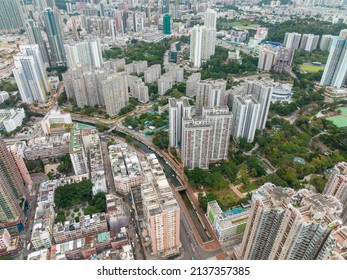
(343, 110)
(339, 121)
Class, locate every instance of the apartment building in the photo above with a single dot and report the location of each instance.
(288, 224)
(10, 119)
(42, 232)
(126, 168)
(88, 225)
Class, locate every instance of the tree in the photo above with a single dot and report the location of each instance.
(128, 139)
(161, 139)
(196, 176)
(101, 127)
(60, 217)
(204, 200)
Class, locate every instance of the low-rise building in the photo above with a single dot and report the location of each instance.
(230, 225)
(116, 216)
(282, 92)
(126, 168)
(75, 149)
(87, 225)
(13, 247)
(54, 82)
(10, 119)
(84, 248)
(5, 240)
(4, 96)
(47, 147)
(41, 236)
(55, 119)
(41, 255)
(92, 154)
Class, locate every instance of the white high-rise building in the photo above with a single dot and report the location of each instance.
(335, 71)
(33, 31)
(288, 225)
(221, 119)
(192, 84)
(309, 42)
(292, 40)
(196, 143)
(115, 92)
(326, 42)
(30, 74)
(202, 44)
(210, 18)
(178, 110)
(152, 73)
(246, 113)
(210, 93)
(84, 53)
(196, 45)
(261, 90)
(267, 56)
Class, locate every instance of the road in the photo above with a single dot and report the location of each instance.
(107, 167)
(37, 178)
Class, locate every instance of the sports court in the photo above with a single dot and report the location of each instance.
(340, 120)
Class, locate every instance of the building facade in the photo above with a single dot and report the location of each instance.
(335, 71)
(284, 224)
(178, 110)
(30, 74)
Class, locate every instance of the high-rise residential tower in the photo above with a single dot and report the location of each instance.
(335, 71)
(11, 16)
(246, 113)
(202, 44)
(178, 110)
(30, 74)
(261, 90)
(196, 45)
(53, 28)
(292, 40)
(288, 225)
(13, 192)
(210, 18)
(309, 42)
(196, 142)
(221, 120)
(210, 93)
(325, 42)
(115, 93)
(267, 57)
(35, 38)
(84, 53)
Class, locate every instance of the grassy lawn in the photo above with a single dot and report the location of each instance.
(310, 68)
(227, 198)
